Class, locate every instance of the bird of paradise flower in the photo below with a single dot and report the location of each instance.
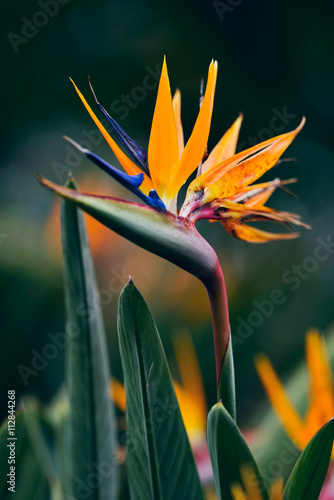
(222, 191)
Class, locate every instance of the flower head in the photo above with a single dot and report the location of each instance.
(223, 189)
(321, 394)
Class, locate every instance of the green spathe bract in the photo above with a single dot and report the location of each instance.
(175, 239)
(160, 464)
(91, 442)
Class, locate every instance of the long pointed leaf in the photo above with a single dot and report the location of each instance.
(229, 453)
(308, 475)
(160, 463)
(92, 438)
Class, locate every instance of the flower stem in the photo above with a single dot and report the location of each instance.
(216, 290)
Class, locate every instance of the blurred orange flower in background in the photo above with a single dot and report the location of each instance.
(321, 394)
(250, 489)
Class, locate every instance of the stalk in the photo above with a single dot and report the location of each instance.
(216, 290)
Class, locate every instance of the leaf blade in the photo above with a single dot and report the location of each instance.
(308, 475)
(229, 452)
(92, 428)
(160, 452)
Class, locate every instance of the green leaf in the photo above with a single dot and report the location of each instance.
(160, 464)
(91, 442)
(229, 452)
(308, 475)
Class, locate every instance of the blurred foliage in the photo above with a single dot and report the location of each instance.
(271, 56)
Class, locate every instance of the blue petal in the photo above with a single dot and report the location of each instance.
(136, 152)
(155, 201)
(131, 182)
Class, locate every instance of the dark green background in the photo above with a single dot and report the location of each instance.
(270, 54)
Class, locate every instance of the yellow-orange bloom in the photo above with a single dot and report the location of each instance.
(250, 489)
(190, 393)
(222, 189)
(321, 393)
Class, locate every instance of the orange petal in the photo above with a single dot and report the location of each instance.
(226, 146)
(191, 414)
(322, 391)
(286, 413)
(234, 174)
(178, 122)
(276, 490)
(196, 145)
(238, 493)
(258, 194)
(254, 235)
(163, 148)
(225, 210)
(117, 394)
(250, 482)
(128, 165)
